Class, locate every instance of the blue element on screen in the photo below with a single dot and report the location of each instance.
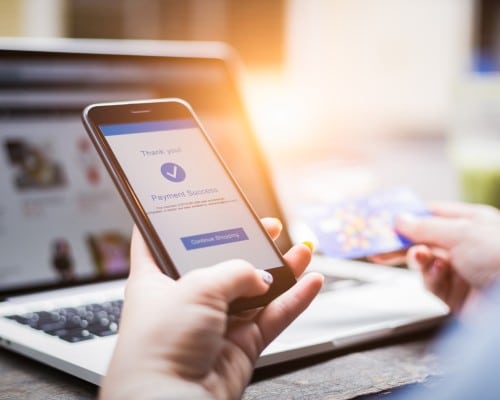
(173, 172)
(150, 126)
(214, 238)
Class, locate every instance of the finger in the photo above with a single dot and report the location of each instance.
(438, 279)
(227, 281)
(461, 210)
(419, 258)
(458, 293)
(284, 309)
(433, 271)
(435, 231)
(273, 226)
(141, 260)
(392, 258)
(298, 258)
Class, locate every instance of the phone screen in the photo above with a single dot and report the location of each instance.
(193, 204)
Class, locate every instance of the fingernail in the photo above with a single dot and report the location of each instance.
(266, 276)
(278, 221)
(406, 218)
(308, 244)
(421, 257)
(404, 222)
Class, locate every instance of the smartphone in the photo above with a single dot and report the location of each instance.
(183, 198)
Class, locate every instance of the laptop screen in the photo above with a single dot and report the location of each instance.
(62, 221)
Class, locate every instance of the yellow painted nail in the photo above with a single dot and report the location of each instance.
(308, 244)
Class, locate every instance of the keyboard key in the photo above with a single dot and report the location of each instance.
(75, 335)
(75, 324)
(110, 328)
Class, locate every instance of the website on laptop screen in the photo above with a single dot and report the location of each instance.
(61, 218)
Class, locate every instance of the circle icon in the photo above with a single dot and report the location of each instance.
(173, 172)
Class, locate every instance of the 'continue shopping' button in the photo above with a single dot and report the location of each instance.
(214, 238)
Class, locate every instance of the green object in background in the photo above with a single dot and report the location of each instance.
(477, 160)
(481, 185)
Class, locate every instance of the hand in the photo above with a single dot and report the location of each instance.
(458, 252)
(176, 339)
(439, 276)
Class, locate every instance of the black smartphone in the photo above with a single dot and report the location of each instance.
(187, 205)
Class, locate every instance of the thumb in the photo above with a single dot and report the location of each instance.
(228, 280)
(141, 260)
(435, 231)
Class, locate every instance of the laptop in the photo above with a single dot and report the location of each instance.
(64, 232)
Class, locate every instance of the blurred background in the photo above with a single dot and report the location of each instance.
(346, 95)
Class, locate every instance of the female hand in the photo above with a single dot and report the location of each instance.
(176, 339)
(458, 252)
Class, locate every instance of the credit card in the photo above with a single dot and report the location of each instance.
(363, 226)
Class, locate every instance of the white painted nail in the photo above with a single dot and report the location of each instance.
(266, 277)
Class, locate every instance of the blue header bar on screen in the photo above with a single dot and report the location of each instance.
(150, 126)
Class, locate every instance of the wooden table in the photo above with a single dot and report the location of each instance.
(374, 368)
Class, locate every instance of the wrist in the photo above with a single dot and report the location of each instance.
(148, 387)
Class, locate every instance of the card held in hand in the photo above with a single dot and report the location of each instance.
(363, 226)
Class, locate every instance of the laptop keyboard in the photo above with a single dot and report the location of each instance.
(89, 321)
(75, 324)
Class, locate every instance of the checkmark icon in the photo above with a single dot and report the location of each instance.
(173, 172)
